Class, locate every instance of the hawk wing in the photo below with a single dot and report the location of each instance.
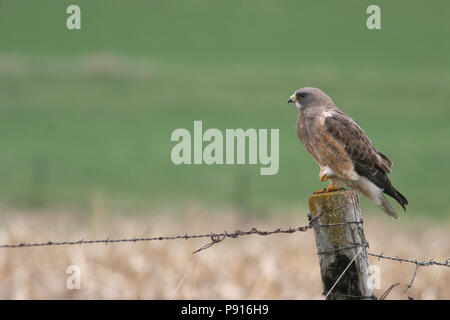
(367, 161)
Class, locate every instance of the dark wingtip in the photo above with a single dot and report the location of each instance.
(381, 180)
(401, 199)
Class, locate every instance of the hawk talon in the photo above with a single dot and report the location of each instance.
(319, 191)
(329, 189)
(333, 188)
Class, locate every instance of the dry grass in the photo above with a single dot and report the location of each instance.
(254, 267)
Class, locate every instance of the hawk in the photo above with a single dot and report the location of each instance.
(344, 153)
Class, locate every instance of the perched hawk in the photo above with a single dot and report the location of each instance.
(342, 150)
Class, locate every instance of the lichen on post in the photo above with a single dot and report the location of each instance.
(340, 239)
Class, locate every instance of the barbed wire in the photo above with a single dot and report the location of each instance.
(417, 263)
(431, 262)
(215, 237)
(219, 237)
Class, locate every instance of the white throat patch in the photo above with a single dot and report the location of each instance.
(298, 105)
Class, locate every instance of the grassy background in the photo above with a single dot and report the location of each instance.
(91, 111)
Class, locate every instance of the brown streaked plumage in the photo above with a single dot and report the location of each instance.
(342, 149)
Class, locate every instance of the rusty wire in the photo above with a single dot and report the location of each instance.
(418, 264)
(215, 237)
(431, 262)
(219, 237)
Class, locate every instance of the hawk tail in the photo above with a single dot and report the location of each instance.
(381, 180)
(376, 194)
(386, 207)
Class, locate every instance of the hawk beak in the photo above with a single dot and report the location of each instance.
(291, 99)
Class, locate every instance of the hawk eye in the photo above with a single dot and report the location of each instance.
(302, 95)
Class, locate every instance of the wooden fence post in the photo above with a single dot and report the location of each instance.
(341, 245)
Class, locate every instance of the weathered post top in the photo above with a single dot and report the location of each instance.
(341, 245)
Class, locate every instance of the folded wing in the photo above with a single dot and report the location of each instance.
(367, 161)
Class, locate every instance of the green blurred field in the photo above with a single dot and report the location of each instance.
(91, 111)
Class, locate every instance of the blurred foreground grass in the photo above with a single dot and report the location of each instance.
(254, 267)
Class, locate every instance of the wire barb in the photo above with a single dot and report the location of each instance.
(216, 238)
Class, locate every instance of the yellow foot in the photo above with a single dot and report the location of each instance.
(319, 191)
(323, 177)
(332, 188)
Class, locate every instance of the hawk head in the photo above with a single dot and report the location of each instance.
(310, 97)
